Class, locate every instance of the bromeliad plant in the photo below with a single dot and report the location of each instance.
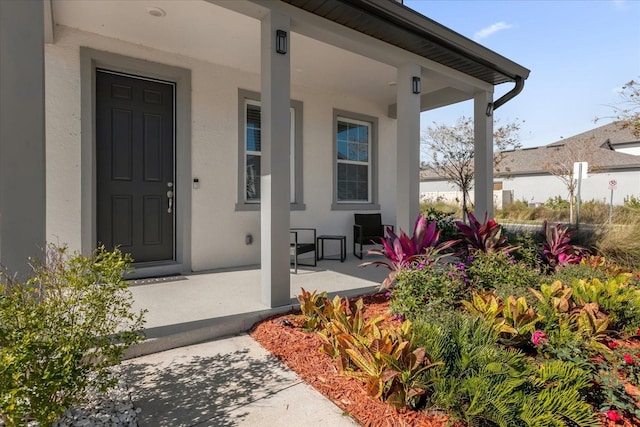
(557, 249)
(485, 237)
(403, 251)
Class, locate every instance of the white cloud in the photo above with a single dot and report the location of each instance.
(490, 30)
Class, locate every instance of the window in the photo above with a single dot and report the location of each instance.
(354, 154)
(250, 152)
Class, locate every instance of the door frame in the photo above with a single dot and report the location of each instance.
(90, 59)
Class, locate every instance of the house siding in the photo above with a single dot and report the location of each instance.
(218, 230)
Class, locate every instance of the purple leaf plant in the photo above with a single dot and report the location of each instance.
(485, 237)
(557, 249)
(402, 251)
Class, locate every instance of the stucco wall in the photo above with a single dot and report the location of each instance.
(218, 230)
(539, 188)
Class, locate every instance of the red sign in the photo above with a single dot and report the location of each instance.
(613, 184)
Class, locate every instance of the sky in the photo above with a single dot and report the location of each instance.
(580, 53)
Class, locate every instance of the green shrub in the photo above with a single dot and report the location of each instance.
(485, 384)
(61, 330)
(447, 208)
(444, 222)
(557, 203)
(570, 272)
(420, 291)
(527, 249)
(632, 202)
(501, 272)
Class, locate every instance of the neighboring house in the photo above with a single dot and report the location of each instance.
(612, 153)
(176, 129)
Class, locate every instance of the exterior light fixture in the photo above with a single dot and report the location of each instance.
(490, 109)
(416, 85)
(281, 42)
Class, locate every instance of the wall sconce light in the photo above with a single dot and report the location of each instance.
(416, 85)
(281, 42)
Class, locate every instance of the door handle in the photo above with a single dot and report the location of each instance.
(170, 197)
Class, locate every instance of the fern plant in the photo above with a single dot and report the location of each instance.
(485, 384)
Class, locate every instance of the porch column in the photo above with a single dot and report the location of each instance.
(408, 149)
(275, 166)
(483, 157)
(22, 134)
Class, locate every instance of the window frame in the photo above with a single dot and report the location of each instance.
(253, 98)
(372, 122)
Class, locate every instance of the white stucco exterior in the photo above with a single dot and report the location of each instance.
(540, 188)
(218, 230)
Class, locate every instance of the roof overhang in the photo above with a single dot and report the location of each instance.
(401, 26)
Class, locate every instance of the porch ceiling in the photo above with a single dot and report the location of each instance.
(216, 34)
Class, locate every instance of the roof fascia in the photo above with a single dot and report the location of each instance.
(415, 21)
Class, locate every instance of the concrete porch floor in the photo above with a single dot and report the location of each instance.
(190, 309)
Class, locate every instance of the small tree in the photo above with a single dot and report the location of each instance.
(560, 162)
(450, 151)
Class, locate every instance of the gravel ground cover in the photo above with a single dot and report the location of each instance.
(113, 408)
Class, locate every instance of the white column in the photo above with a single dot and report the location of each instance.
(483, 156)
(275, 166)
(408, 149)
(22, 135)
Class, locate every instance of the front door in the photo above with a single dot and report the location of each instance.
(135, 165)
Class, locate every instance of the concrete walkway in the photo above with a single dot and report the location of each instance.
(227, 382)
(231, 381)
(200, 307)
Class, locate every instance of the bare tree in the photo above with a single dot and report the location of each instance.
(560, 162)
(450, 151)
(627, 112)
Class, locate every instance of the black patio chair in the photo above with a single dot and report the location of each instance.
(368, 230)
(303, 240)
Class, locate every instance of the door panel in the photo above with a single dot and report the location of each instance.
(135, 166)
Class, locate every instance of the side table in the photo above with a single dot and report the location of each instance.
(343, 246)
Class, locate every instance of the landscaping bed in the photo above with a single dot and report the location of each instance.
(475, 331)
(284, 336)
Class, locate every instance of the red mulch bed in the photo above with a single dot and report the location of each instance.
(299, 350)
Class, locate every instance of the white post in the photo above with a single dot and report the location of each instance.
(275, 166)
(407, 148)
(483, 155)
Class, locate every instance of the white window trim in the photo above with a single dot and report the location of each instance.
(296, 180)
(372, 125)
(357, 162)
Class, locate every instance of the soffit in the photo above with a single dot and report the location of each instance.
(400, 26)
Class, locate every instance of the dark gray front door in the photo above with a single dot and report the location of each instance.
(135, 165)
